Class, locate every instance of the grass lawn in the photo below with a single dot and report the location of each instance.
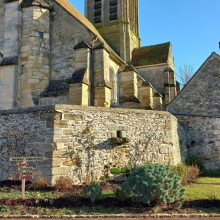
(206, 190)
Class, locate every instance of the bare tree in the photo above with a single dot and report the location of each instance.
(185, 73)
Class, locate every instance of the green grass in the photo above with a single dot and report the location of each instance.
(16, 194)
(204, 188)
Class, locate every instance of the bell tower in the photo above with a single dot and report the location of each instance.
(118, 23)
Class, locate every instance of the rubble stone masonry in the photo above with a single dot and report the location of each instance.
(86, 142)
(203, 137)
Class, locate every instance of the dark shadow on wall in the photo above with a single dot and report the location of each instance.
(25, 133)
(183, 133)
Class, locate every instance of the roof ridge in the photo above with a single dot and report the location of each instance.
(194, 75)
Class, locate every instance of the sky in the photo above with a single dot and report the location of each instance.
(192, 26)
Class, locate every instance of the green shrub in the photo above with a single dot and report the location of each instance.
(119, 193)
(93, 191)
(188, 174)
(210, 173)
(125, 170)
(103, 178)
(195, 160)
(115, 171)
(180, 170)
(154, 184)
(4, 208)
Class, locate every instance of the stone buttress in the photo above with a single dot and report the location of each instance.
(35, 51)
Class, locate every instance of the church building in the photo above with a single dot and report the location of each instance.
(51, 54)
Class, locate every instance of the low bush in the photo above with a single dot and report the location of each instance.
(193, 173)
(119, 193)
(115, 171)
(194, 160)
(63, 183)
(210, 173)
(188, 174)
(4, 208)
(154, 184)
(41, 183)
(93, 191)
(125, 170)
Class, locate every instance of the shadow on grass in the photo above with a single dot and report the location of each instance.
(203, 205)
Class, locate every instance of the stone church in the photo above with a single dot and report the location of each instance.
(51, 54)
(62, 73)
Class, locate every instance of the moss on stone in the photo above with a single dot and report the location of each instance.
(151, 54)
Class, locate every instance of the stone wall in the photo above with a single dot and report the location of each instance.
(155, 75)
(2, 26)
(86, 142)
(66, 32)
(203, 137)
(10, 30)
(201, 94)
(35, 54)
(7, 86)
(11, 27)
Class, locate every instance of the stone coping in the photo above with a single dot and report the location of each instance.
(125, 216)
(85, 108)
(196, 114)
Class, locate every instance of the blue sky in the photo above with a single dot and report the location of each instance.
(193, 27)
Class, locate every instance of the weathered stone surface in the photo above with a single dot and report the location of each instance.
(202, 138)
(145, 136)
(200, 95)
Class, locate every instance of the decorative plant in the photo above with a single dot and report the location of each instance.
(195, 160)
(154, 184)
(188, 174)
(63, 183)
(41, 183)
(93, 191)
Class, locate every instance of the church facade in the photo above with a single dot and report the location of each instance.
(67, 67)
(51, 54)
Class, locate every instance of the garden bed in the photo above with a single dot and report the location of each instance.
(201, 197)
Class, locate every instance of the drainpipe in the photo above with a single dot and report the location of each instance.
(92, 76)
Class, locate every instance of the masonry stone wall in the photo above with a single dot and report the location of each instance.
(66, 32)
(11, 27)
(35, 54)
(155, 75)
(10, 30)
(1, 22)
(86, 142)
(201, 94)
(7, 86)
(170, 60)
(202, 137)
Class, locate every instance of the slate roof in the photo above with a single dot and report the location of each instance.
(28, 3)
(82, 44)
(154, 54)
(129, 99)
(78, 76)
(56, 87)
(8, 60)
